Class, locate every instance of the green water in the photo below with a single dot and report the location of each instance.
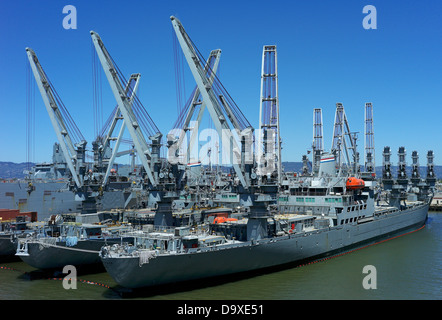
(408, 267)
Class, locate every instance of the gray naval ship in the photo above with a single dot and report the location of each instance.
(334, 213)
(46, 190)
(9, 233)
(63, 241)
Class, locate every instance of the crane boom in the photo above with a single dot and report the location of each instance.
(208, 95)
(131, 89)
(132, 125)
(132, 83)
(211, 68)
(342, 129)
(55, 116)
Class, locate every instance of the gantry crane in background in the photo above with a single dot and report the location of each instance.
(269, 139)
(318, 144)
(338, 133)
(370, 163)
(431, 175)
(343, 141)
(415, 174)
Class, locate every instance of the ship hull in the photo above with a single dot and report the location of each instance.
(47, 256)
(266, 253)
(47, 198)
(7, 247)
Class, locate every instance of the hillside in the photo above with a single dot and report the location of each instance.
(11, 170)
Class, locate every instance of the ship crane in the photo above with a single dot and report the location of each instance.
(149, 158)
(74, 154)
(317, 145)
(387, 177)
(269, 140)
(402, 178)
(215, 107)
(415, 174)
(131, 89)
(339, 142)
(175, 144)
(431, 175)
(369, 139)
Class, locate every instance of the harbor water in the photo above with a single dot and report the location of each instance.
(402, 268)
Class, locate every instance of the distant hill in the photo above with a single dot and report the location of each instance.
(11, 170)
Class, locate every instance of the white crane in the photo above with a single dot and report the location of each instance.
(141, 146)
(131, 88)
(175, 145)
(214, 106)
(74, 154)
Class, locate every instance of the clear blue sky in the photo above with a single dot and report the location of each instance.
(325, 56)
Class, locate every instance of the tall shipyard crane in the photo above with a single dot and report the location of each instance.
(63, 124)
(269, 140)
(317, 145)
(369, 139)
(338, 132)
(219, 105)
(148, 157)
(344, 140)
(104, 145)
(183, 122)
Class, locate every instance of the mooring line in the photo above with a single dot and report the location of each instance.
(83, 281)
(55, 278)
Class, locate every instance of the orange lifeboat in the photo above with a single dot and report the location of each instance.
(354, 183)
(223, 219)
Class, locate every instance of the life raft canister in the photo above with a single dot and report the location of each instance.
(355, 183)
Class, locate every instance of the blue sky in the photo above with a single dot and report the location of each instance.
(325, 56)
